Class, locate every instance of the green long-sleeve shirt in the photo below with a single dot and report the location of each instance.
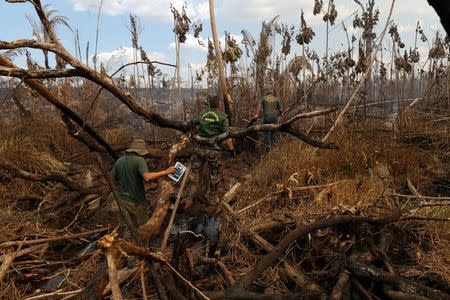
(212, 122)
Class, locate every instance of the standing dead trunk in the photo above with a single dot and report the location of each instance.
(228, 102)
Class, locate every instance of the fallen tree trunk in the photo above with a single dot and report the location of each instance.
(285, 126)
(151, 228)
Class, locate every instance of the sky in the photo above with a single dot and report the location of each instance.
(156, 23)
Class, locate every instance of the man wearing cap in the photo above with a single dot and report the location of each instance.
(130, 171)
(271, 113)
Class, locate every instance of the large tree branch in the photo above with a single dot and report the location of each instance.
(102, 80)
(27, 74)
(282, 127)
(25, 43)
(308, 140)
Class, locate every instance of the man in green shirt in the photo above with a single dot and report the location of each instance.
(271, 108)
(212, 122)
(130, 172)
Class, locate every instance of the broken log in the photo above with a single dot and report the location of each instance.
(153, 225)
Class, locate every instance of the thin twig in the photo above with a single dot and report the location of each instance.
(422, 197)
(13, 90)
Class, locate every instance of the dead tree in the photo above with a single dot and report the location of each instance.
(79, 69)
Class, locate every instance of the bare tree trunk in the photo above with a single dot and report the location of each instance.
(180, 99)
(228, 102)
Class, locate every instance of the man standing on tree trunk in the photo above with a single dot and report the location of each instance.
(130, 172)
(271, 113)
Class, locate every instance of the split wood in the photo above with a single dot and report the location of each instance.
(174, 211)
(123, 275)
(7, 262)
(112, 273)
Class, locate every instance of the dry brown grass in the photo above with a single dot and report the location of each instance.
(369, 167)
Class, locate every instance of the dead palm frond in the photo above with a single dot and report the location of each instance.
(248, 41)
(40, 34)
(297, 64)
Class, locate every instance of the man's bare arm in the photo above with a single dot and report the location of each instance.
(149, 176)
(229, 143)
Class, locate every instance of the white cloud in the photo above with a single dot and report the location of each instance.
(407, 28)
(288, 10)
(155, 9)
(192, 43)
(123, 55)
(257, 10)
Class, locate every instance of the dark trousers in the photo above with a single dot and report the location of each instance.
(270, 137)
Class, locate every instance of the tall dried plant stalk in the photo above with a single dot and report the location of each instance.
(339, 119)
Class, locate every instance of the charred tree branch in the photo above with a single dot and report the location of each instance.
(57, 177)
(366, 271)
(282, 127)
(26, 74)
(103, 80)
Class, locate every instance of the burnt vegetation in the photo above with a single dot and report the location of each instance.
(351, 203)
